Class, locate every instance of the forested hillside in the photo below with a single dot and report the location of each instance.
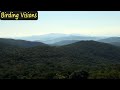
(80, 60)
(20, 43)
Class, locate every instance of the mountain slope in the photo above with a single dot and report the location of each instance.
(55, 37)
(70, 37)
(65, 42)
(83, 52)
(79, 52)
(115, 43)
(93, 50)
(48, 62)
(20, 43)
(111, 39)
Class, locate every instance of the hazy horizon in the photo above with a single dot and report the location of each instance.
(88, 23)
(74, 34)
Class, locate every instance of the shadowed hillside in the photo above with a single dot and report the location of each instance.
(20, 43)
(112, 40)
(81, 60)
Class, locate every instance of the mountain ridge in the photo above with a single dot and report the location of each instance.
(56, 37)
(20, 43)
(97, 59)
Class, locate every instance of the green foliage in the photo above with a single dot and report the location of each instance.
(81, 60)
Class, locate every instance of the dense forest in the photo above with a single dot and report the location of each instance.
(80, 60)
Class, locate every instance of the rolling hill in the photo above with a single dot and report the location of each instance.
(82, 52)
(61, 62)
(56, 37)
(115, 43)
(67, 38)
(93, 49)
(20, 43)
(112, 40)
(65, 42)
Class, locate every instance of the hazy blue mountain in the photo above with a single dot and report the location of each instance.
(55, 37)
(21, 43)
(111, 39)
(70, 37)
(65, 42)
(42, 37)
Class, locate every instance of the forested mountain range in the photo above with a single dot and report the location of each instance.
(80, 60)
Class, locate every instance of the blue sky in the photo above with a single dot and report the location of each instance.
(93, 23)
